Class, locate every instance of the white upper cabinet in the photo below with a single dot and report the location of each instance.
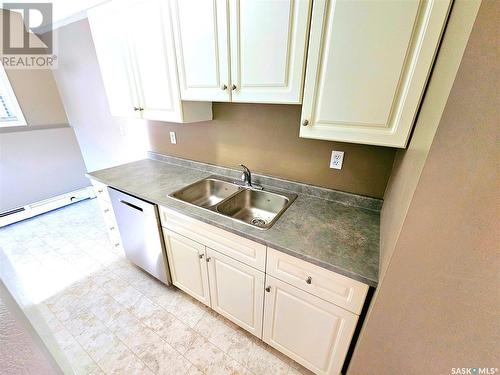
(202, 49)
(241, 50)
(268, 50)
(135, 50)
(154, 61)
(106, 24)
(367, 68)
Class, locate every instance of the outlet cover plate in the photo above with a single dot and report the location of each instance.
(173, 139)
(337, 159)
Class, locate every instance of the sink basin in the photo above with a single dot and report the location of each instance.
(206, 193)
(256, 207)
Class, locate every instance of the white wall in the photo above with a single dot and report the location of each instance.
(37, 165)
(105, 141)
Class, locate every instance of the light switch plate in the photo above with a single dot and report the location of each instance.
(337, 159)
(173, 139)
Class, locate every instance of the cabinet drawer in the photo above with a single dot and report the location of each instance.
(104, 205)
(100, 190)
(110, 222)
(332, 287)
(232, 245)
(107, 213)
(114, 236)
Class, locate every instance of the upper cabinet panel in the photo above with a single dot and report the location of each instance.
(154, 60)
(201, 39)
(106, 24)
(367, 67)
(268, 49)
(360, 74)
(135, 50)
(241, 50)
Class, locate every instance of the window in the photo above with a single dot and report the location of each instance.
(10, 112)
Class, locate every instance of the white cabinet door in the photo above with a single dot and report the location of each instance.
(268, 49)
(188, 266)
(135, 50)
(152, 50)
(201, 40)
(236, 291)
(306, 328)
(367, 68)
(106, 24)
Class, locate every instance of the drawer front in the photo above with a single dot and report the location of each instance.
(113, 231)
(105, 206)
(101, 190)
(107, 214)
(332, 287)
(110, 222)
(232, 245)
(116, 241)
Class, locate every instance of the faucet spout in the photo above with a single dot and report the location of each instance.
(246, 177)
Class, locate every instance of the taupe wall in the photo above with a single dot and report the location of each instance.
(43, 159)
(408, 163)
(437, 307)
(266, 138)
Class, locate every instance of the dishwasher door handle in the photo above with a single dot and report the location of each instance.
(131, 205)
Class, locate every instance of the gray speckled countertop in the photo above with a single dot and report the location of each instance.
(336, 236)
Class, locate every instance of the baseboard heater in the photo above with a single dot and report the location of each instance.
(37, 208)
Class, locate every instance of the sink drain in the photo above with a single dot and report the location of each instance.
(259, 222)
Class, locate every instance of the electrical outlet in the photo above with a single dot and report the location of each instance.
(337, 159)
(173, 140)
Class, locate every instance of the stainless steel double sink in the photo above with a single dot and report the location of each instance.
(258, 208)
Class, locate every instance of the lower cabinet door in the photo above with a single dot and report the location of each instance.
(236, 291)
(188, 266)
(306, 328)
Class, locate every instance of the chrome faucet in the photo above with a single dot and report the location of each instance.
(246, 177)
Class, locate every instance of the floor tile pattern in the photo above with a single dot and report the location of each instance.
(109, 317)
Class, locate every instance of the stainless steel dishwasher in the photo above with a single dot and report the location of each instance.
(142, 240)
